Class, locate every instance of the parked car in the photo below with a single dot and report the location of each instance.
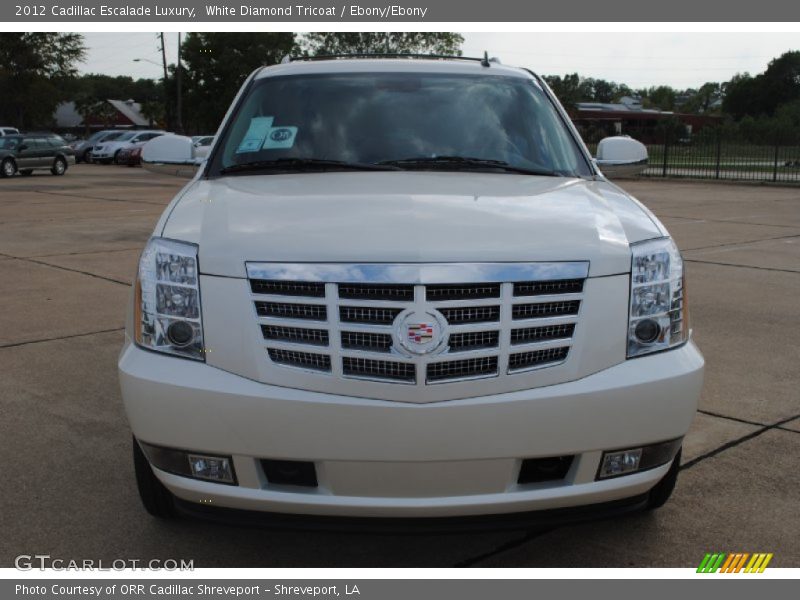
(131, 156)
(29, 152)
(8, 131)
(404, 288)
(108, 150)
(83, 148)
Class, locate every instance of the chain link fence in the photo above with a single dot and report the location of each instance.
(715, 153)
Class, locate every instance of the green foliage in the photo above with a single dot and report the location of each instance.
(766, 92)
(573, 88)
(406, 42)
(34, 68)
(216, 65)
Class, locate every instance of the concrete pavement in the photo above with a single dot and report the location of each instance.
(68, 251)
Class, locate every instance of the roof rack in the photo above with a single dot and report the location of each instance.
(485, 60)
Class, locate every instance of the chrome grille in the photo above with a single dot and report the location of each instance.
(545, 309)
(434, 293)
(298, 335)
(536, 358)
(306, 360)
(473, 340)
(363, 291)
(378, 369)
(540, 288)
(313, 312)
(368, 314)
(352, 329)
(364, 340)
(288, 288)
(528, 335)
(468, 314)
(462, 369)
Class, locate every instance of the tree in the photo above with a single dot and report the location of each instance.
(567, 89)
(216, 65)
(661, 97)
(33, 69)
(405, 42)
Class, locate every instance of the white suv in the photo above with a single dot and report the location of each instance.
(403, 288)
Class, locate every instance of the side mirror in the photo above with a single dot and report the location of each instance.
(621, 156)
(171, 155)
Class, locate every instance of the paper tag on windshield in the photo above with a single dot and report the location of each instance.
(256, 134)
(280, 137)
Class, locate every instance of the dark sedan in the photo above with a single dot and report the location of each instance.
(29, 152)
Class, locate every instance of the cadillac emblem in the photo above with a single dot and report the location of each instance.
(419, 332)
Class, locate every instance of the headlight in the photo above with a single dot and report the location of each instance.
(658, 318)
(167, 313)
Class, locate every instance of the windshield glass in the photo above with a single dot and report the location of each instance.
(123, 137)
(380, 118)
(111, 136)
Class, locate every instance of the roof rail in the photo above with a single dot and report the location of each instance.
(485, 60)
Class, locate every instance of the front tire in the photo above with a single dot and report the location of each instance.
(59, 166)
(157, 499)
(661, 492)
(7, 168)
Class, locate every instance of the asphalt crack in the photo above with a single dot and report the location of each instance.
(721, 264)
(509, 545)
(47, 264)
(63, 337)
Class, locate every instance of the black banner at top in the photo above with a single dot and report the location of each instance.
(430, 11)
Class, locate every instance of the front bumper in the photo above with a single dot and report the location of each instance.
(379, 458)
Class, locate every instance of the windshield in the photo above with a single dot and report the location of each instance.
(111, 136)
(408, 120)
(122, 137)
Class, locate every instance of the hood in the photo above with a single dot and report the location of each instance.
(398, 217)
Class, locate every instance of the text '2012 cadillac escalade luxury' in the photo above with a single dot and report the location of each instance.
(403, 288)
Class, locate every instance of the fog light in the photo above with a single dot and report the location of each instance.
(632, 460)
(215, 468)
(620, 463)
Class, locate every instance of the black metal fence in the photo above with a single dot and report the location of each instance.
(715, 153)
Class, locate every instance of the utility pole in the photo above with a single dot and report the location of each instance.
(179, 94)
(166, 95)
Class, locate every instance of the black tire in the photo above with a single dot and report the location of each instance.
(663, 489)
(7, 168)
(26, 172)
(115, 160)
(59, 166)
(157, 499)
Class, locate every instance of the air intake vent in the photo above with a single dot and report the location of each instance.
(551, 468)
(434, 293)
(530, 335)
(362, 291)
(378, 369)
(374, 342)
(485, 366)
(297, 335)
(461, 342)
(306, 360)
(543, 310)
(368, 314)
(288, 288)
(542, 288)
(471, 314)
(284, 310)
(536, 358)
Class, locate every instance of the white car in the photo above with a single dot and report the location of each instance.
(403, 288)
(106, 151)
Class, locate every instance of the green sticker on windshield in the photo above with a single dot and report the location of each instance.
(280, 137)
(256, 133)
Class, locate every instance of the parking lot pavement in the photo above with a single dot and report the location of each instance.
(68, 251)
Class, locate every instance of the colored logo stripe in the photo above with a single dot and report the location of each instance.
(734, 562)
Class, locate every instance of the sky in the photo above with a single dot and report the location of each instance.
(680, 60)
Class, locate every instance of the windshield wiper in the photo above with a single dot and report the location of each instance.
(464, 162)
(304, 164)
